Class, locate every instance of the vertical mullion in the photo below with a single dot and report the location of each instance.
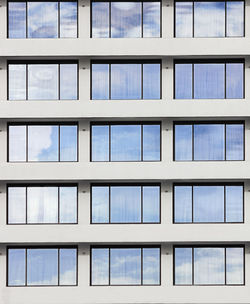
(193, 18)
(109, 204)
(142, 81)
(193, 80)
(225, 269)
(142, 204)
(27, 142)
(192, 265)
(58, 210)
(59, 81)
(26, 205)
(109, 19)
(27, 87)
(58, 12)
(26, 19)
(141, 266)
(142, 19)
(226, 18)
(109, 265)
(225, 139)
(58, 265)
(109, 143)
(193, 142)
(225, 215)
(110, 81)
(141, 142)
(225, 80)
(59, 142)
(26, 268)
(192, 203)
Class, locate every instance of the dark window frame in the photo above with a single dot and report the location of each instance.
(39, 123)
(125, 247)
(210, 246)
(209, 184)
(109, 185)
(26, 202)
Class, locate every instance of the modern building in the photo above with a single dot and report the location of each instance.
(125, 152)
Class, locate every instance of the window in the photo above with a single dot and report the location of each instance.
(45, 266)
(126, 80)
(47, 19)
(125, 265)
(42, 204)
(209, 265)
(125, 142)
(130, 19)
(42, 80)
(209, 18)
(208, 203)
(42, 142)
(209, 141)
(125, 204)
(209, 80)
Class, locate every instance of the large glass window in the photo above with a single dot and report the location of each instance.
(209, 80)
(42, 266)
(208, 203)
(125, 265)
(47, 19)
(43, 204)
(209, 18)
(126, 80)
(126, 142)
(209, 265)
(42, 142)
(125, 204)
(42, 81)
(209, 141)
(117, 19)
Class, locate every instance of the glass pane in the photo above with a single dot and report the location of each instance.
(42, 266)
(151, 142)
(183, 19)
(68, 143)
(235, 18)
(16, 267)
(16, 205)
(68, 260)
(126, 19)
(100, 204)
(68, 81)
(17, 81)
(42, 19)
(151, 81)
(235, 80)
(209, 266)
(125, 266)
(183, 266)
(42, 143)
(100, 143)
(126, 143)
(17, 19)
(68, 204)
(68, 19)
(99, 266)
(208, 204)
(42, 205)
(126, 81)
(183, 204)
(209, 80)
(209, 19)
(209, 142)
(183, 81)
(235, 141)
(42, 81)
(17, 143)
(100, 81)
(234, 204)
(151, 204)
(151, 266)
(183, 142)
(100, 19)
(125, 204)
(151, 19)
(235, 265)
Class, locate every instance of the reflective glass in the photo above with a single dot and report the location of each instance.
(16, 205)
(16, 267)
(68, 81)
(68, 204)
(100, 19)
(43, 143)
(235, 18)
(151, 19)
(125, 204)
(126, 19)
(42, 19)
(183, 266)
(151, 81)
(151, 142)
(183, 204)
(100, 81)
(234, 203)
(183, 19)
(100, 204)
(100, 143)
(17, 143)
(151, 204)
(235, 265)
(99, 266)
(209, 142)
(235, 141)
(183, 81)
(126, 81)
(234, 80)
(17, 81)
(17, 19)
(183, 142)
(68, 143)
(125, 266)
(151, 266)
(209, 80)
(68, 19)
(68, 260)
(125, 142)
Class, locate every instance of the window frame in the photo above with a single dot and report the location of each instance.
(209, 184)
